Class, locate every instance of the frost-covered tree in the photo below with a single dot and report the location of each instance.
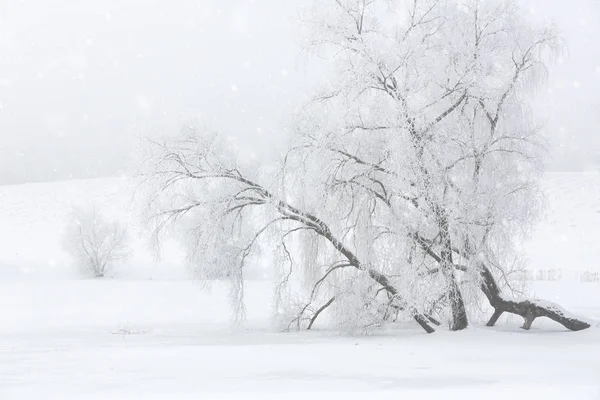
(96, 243)
(410, 176)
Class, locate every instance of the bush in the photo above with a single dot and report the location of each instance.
(97, 244)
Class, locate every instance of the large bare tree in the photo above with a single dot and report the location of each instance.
(409, 177)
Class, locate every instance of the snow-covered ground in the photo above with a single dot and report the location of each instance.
(150, 333)
(169, 340)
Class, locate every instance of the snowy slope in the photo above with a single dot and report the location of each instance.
(32, 217)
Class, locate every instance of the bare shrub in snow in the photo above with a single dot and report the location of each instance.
(410, 177)
(96, 243)
(590, 276)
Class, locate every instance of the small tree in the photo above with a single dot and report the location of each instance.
(95, 242)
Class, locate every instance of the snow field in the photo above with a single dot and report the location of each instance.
(150, 339)
(152, 333)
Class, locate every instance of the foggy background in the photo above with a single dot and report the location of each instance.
(80, 81)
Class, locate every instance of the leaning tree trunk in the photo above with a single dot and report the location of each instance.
(528, 309)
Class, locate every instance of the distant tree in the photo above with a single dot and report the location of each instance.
(96, 243)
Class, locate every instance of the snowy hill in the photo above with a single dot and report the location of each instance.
(32, 217)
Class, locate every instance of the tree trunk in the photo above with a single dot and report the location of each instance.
(457, 305)
(528, 309)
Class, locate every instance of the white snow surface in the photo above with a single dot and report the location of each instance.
(152, 333)
(169, 340)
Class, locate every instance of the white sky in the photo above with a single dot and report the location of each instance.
(79, 80)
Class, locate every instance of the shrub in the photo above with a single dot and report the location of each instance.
(96, 243)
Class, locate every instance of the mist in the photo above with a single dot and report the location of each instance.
(82, 81)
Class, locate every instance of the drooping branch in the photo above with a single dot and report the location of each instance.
(256, 195)
(314, 292)
(319, 311)
(323, 230)
(378, 277)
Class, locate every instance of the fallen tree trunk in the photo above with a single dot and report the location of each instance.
(528, 309)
